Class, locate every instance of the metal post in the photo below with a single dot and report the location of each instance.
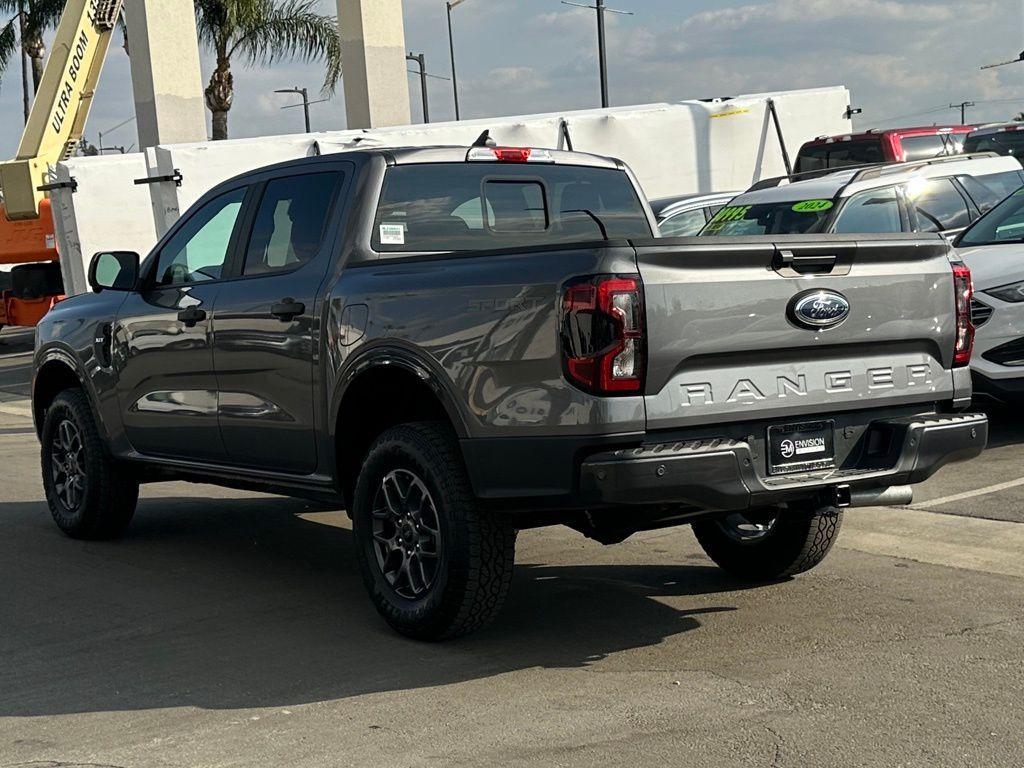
(451, 47)
(420, 59)
(782, 139)
(602, 53)
(305, 107)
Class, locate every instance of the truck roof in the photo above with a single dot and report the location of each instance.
(846, 182)
(441, 154)
(923, 130)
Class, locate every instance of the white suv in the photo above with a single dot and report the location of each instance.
(941, 195)
(994, 250)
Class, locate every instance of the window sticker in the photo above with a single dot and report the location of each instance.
(813, 206)
(731, 213)
(392, 234)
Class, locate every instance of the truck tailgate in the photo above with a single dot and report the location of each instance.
(724, 335)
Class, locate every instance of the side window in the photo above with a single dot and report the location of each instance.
(991, 188)
(984, 197)
(938, 204)
(683, 224)
(877, 210)
(290, 223)
(197, 252)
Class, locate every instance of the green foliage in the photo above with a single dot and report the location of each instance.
(263, 32)
(40, 16)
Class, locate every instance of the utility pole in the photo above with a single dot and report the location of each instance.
(420, 59)
(602, 50)
(962, 106)
(451, 47)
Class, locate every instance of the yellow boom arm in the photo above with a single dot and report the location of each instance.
(62, 102)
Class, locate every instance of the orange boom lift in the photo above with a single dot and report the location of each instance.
(54, 128)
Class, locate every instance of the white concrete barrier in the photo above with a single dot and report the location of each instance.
(690, 146)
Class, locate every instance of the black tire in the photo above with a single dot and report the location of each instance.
(463, 587)
(793, 541)
(102, 498)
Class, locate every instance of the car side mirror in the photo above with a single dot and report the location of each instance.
(114, 271)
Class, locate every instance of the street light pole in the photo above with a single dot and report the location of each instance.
(305, 102)
(451, 47)
(602, 48)
(602, 54)
(420, 59)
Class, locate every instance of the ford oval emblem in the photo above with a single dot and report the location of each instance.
(818, 310)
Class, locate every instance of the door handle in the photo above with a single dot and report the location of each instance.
(287, 309)
(191, 316)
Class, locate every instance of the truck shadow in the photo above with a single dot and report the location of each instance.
(242, 603)
(1005, 425)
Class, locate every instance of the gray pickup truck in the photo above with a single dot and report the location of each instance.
(459, 343)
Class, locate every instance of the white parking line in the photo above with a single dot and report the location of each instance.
(970, 494)
(10, 409)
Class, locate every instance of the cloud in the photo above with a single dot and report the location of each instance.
(899, 58)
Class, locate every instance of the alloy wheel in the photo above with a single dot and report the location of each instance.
(406, 534)
(67, 465)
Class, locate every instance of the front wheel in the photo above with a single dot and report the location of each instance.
(435, 565)
(90, 495)
(770, 544)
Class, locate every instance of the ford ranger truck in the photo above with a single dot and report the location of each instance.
(460, 343)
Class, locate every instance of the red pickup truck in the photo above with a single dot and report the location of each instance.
(896, 145)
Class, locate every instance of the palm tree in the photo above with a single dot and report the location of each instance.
(262, 32)
(29, 21)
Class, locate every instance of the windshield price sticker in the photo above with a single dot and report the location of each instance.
(812, 206)
(731, 213)
(392, 234)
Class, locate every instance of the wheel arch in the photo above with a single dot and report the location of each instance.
(56, 370)
(385, 387)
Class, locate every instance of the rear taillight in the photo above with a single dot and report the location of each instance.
(963, 289)
(603, 343)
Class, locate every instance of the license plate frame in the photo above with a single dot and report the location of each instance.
(802, 447)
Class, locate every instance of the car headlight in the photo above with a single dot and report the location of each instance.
(1013, 293)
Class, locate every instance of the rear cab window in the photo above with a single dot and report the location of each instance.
(839, 154)
(444, 207)
(931, 145)
(1000, 142)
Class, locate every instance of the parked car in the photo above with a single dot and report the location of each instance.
(894, 145)
(686, 215)
(1005, 139)
(943, 195)
(994, 249)
(459, 343)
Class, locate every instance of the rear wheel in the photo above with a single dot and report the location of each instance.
(90, 495)
(770, 544)
(435, 565)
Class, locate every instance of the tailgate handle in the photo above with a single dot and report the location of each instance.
(787, 263)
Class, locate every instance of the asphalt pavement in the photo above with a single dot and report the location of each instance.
(230, 629)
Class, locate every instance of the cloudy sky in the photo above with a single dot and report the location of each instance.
(903, 61)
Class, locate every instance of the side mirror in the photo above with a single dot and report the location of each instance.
(114, 271)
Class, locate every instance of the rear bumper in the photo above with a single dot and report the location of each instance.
(725, 474)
